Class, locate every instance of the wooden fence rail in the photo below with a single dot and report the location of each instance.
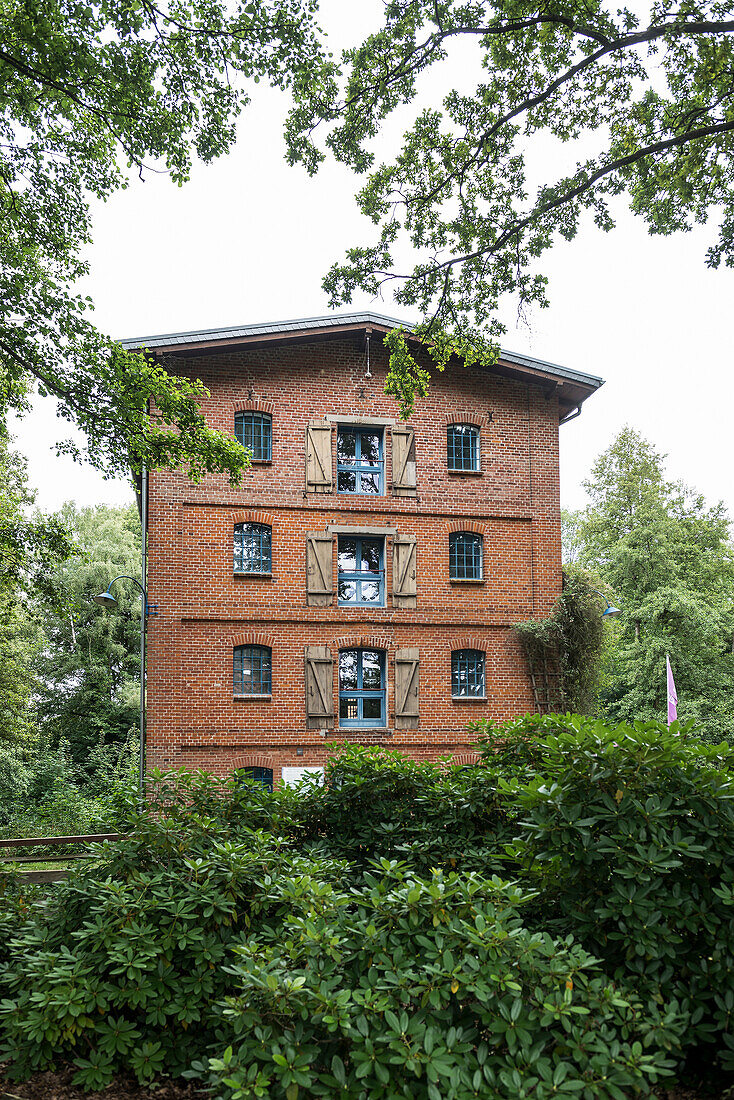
(52, 875)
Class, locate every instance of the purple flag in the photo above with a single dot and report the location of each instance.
(672, 693)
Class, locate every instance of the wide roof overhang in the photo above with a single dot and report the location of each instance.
(571, 387)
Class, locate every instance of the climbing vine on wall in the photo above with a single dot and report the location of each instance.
(571, 639)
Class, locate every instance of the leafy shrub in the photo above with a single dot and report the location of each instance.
(380, 804)
(413, 987)
(122, 965)
(628, 832)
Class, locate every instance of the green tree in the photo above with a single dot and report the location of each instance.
(29, 545)
(88, 671)
(666, 556)
(460, 223)
(84, 90)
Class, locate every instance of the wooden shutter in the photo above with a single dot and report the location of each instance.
(404, 569)
(319, 574)
(319, 687)
(406, 689)
(318, 457)
(403, 462)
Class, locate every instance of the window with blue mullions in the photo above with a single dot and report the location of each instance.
(361, 571)
(359, 461)
(467, 674)
(465, 556)
(361, 687)
(252, 670)
(252, 548)
(462, 441)
(261, 777)
(255, 432)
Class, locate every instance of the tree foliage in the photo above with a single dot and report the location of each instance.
(86, 88)
(667, 557)
(620, 101)
(88, 673)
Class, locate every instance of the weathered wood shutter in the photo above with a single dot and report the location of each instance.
(403, 462)
(404, 571)
(406, 689)
(318, 457)
(319, 573)
(319, 687)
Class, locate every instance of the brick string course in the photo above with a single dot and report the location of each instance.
(193, 718)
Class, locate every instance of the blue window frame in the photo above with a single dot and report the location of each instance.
(359, 460)
(361, 570)
(252, 548)
(252, 670)
(465, 556)
(255, 432)
(467, 674)
(261, 776)
(361, 687)
(462, 446)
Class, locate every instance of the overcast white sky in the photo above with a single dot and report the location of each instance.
(249, 239)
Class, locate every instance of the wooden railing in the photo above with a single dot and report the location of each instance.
(52, 875)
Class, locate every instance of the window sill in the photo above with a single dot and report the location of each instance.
(243, 698)
(465, 473)
(261, 462)
(382, 730)
(468, 698)
(467, 580)
(257, 576)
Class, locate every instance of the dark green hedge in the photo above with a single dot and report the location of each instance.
(556, 920)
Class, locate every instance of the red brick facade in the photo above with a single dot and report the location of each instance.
(513, 502)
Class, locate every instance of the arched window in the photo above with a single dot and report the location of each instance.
(252, 670)
(261, 776)
(462, 447)
(467, 674)
(361, 687)
(254, 432)
(465, 556)
(252, 548)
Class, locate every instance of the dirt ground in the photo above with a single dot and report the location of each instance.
(58, 1086)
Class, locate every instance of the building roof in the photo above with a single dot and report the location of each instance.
(577, 385)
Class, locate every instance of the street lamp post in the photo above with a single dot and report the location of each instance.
(106, 599)
(610, 611)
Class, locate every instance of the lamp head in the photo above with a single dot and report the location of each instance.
(611, 612)
(106, 599)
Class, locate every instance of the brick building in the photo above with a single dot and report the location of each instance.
(362, 580)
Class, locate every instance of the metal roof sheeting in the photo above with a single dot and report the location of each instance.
(336, 320)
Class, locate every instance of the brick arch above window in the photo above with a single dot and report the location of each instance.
(472, 525)
(252, 760)
(254, 404)
(468, 641)
(253, 637)
(363, 641)
(477, 420)
(250, 516)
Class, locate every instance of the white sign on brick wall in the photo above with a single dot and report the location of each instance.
(292, 776)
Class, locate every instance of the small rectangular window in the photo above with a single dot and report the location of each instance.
(261, 777)
(252, 670)
(252, 548)
(462, 442)
(465, 556)
(361, 570)
(361, 687)
(359, 461)
(467, 674)
(254, 432)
